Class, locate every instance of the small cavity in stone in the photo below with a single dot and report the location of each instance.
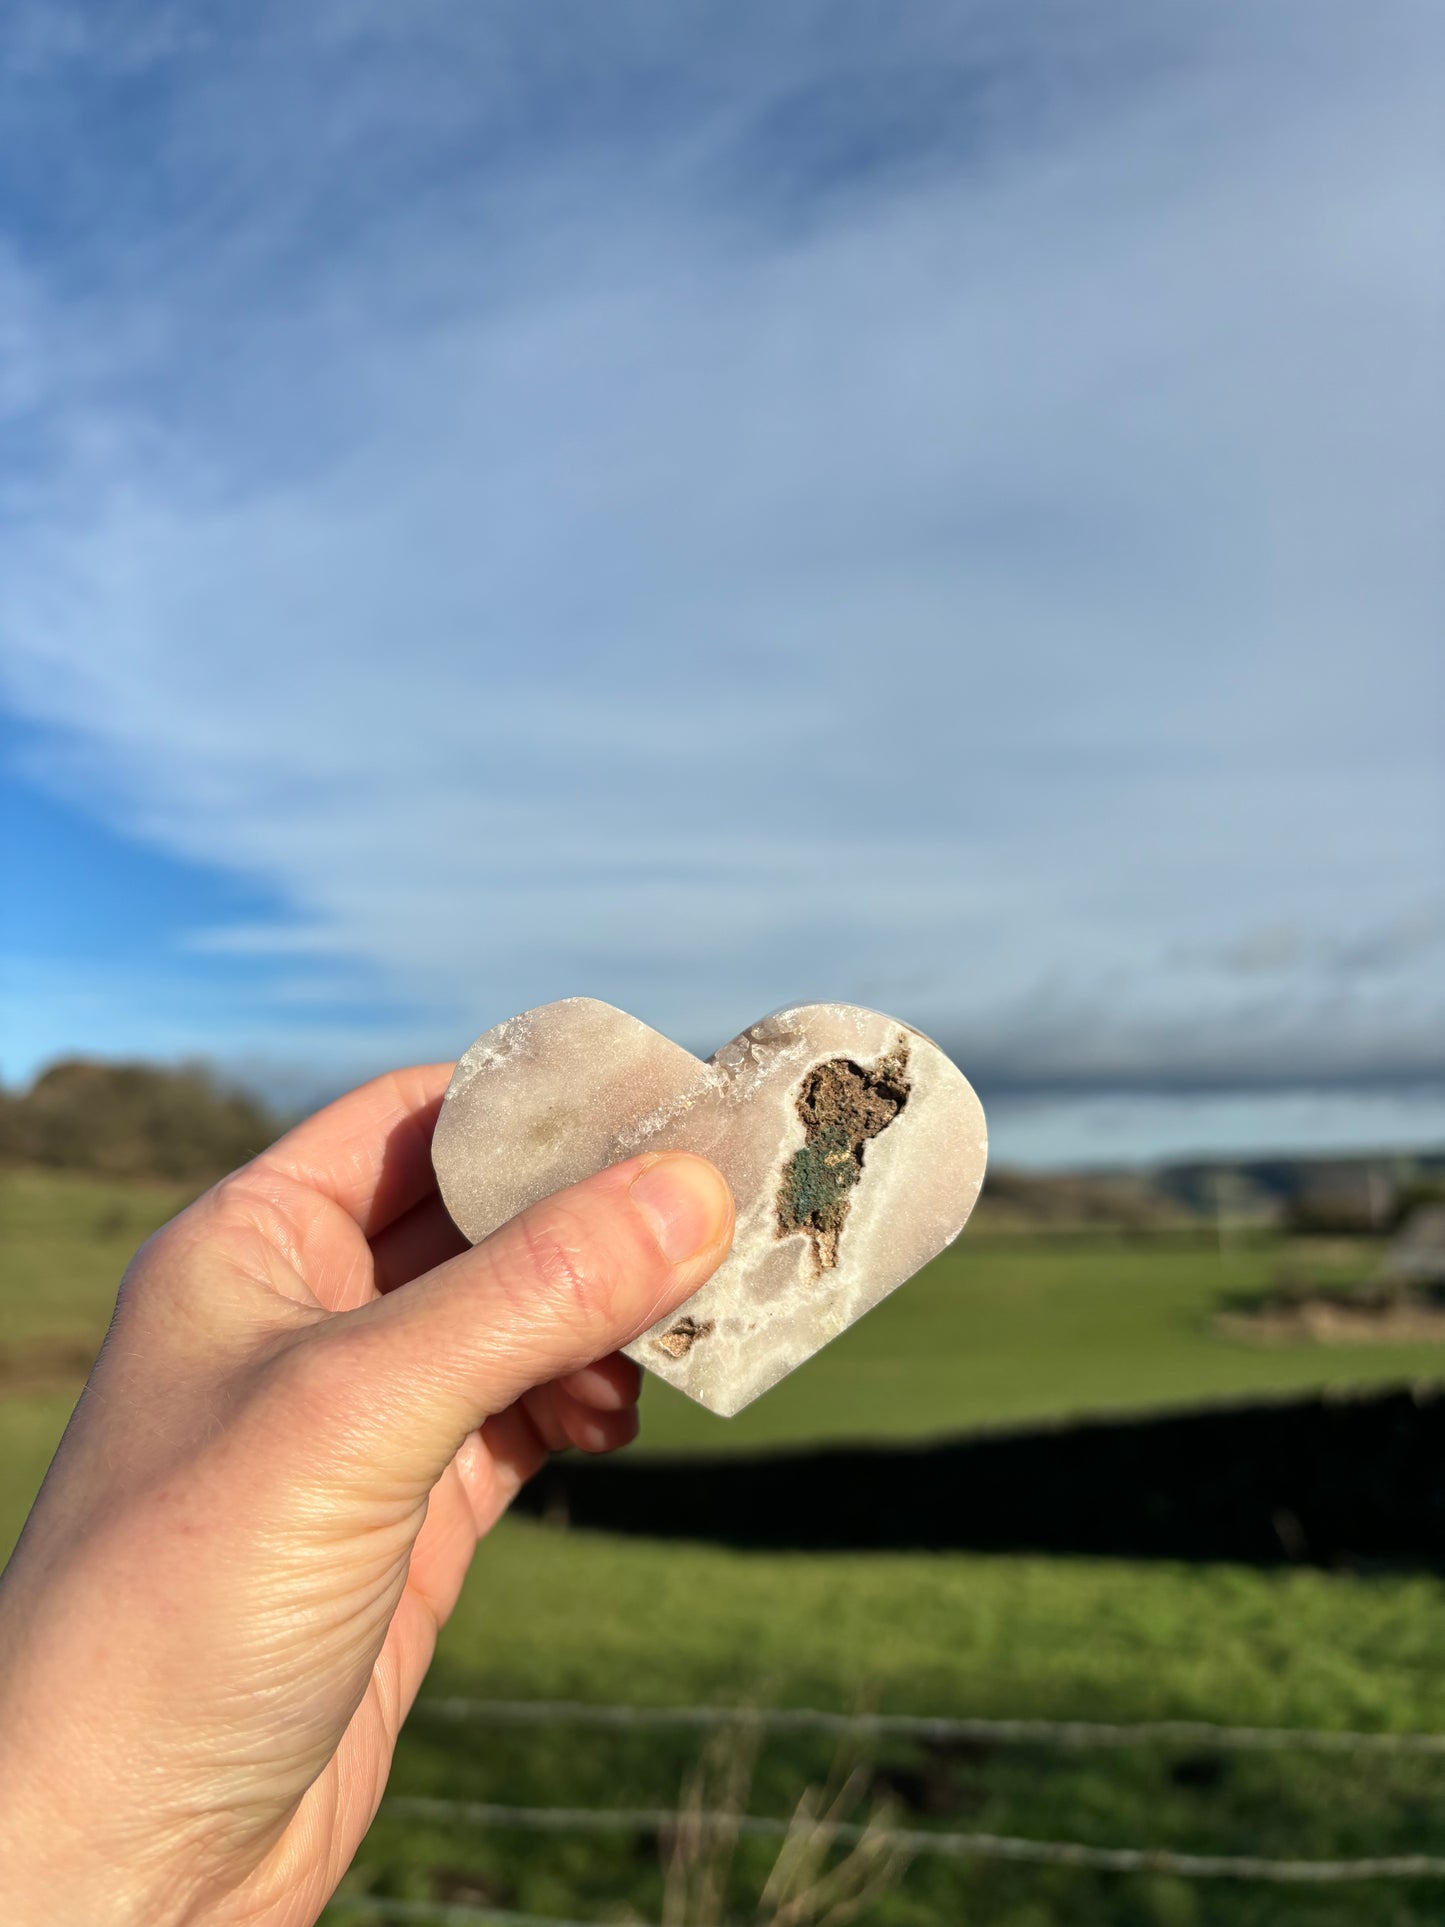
(680, 1338)
(842, 1106)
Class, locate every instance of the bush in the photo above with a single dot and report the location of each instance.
(133, 1120)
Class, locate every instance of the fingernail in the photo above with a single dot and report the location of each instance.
(686, 1203)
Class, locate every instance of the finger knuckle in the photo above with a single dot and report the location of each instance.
(566, 1269)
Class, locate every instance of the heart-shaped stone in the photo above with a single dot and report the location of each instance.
(854, 1148)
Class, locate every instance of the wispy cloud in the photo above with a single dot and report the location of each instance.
(711, 508)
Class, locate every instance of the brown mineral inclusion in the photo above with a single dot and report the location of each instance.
(842, 1106)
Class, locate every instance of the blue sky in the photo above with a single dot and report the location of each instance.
(708, 506)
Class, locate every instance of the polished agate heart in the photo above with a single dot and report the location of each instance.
(854, 1148)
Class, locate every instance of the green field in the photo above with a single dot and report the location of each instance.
(999, 1330)
(1009, 1330)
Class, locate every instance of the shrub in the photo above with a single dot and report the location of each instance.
(133, 1120)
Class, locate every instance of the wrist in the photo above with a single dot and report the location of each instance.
(70, 1855)
(66, 1884)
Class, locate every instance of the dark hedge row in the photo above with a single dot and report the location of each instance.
(1326, 1480)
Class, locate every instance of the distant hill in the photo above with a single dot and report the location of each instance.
(1370, 1193)
(134, 1121)
(1042, 1201)
(1351, 1195)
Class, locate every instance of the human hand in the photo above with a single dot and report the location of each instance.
(266, 1501)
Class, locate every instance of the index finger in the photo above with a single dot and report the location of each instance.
(370, 1151)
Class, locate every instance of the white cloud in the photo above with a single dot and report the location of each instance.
(1003, 568)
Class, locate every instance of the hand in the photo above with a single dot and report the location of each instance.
(267, 1499)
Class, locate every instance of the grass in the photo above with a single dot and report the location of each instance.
(1086, 1639)
(67, 1240)
(1012, 1330)
(1003, 1330)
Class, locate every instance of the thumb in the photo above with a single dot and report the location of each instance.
(564, 1283)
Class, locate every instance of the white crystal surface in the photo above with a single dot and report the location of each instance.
(549, 1097)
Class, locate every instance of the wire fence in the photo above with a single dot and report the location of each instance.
(913, 1841)
(909, 1841)
(1078, 1734)
(445, 1913)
